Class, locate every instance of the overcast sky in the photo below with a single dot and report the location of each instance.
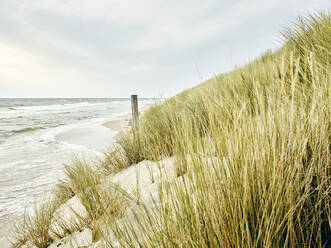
(114, 48)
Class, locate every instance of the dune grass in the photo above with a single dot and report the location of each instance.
(83, 180)
(265, 128)
(127, 151)
(35, 227)
(253, 158)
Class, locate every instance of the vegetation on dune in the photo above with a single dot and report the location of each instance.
(35, 226)
(253, 156)
(265, 129)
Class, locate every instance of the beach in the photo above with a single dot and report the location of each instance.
(32, 161)
(118, 125)
(237, 154)
(124, 120)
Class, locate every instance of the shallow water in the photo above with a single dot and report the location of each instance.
(37, 136)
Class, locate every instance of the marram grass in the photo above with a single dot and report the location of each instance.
(265, 130)
(253, 157)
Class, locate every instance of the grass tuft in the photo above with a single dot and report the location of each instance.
(35, 227)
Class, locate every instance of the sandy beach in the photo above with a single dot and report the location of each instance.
(89, 140)
(93, 137)
(118, 125)
(124, 121)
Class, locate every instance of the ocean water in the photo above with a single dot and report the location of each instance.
(38, 136)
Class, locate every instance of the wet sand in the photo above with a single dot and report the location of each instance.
(6, 229)
(118, 125)
(94, 137)
(124, 121)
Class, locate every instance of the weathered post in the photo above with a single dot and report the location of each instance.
(135, 114)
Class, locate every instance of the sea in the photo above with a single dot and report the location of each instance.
(39, 136)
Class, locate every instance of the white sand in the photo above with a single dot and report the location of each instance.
(94, 137)
(143, 177)
(117, 125)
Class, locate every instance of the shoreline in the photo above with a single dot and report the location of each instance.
(119, 124)
(7, 226)
(124, 121)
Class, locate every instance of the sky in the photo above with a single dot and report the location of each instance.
(115, 48)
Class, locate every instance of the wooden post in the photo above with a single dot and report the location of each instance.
(135, 114)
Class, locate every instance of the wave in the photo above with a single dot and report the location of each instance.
(27, 129)
(51, 107)
(48, 135)
(15, 112)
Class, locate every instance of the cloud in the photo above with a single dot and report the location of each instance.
(93, 48)
(177, 32)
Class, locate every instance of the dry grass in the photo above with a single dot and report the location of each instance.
(35, 226)
(127, 151)
(266, 129)
(63, 191)
(96, 196)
